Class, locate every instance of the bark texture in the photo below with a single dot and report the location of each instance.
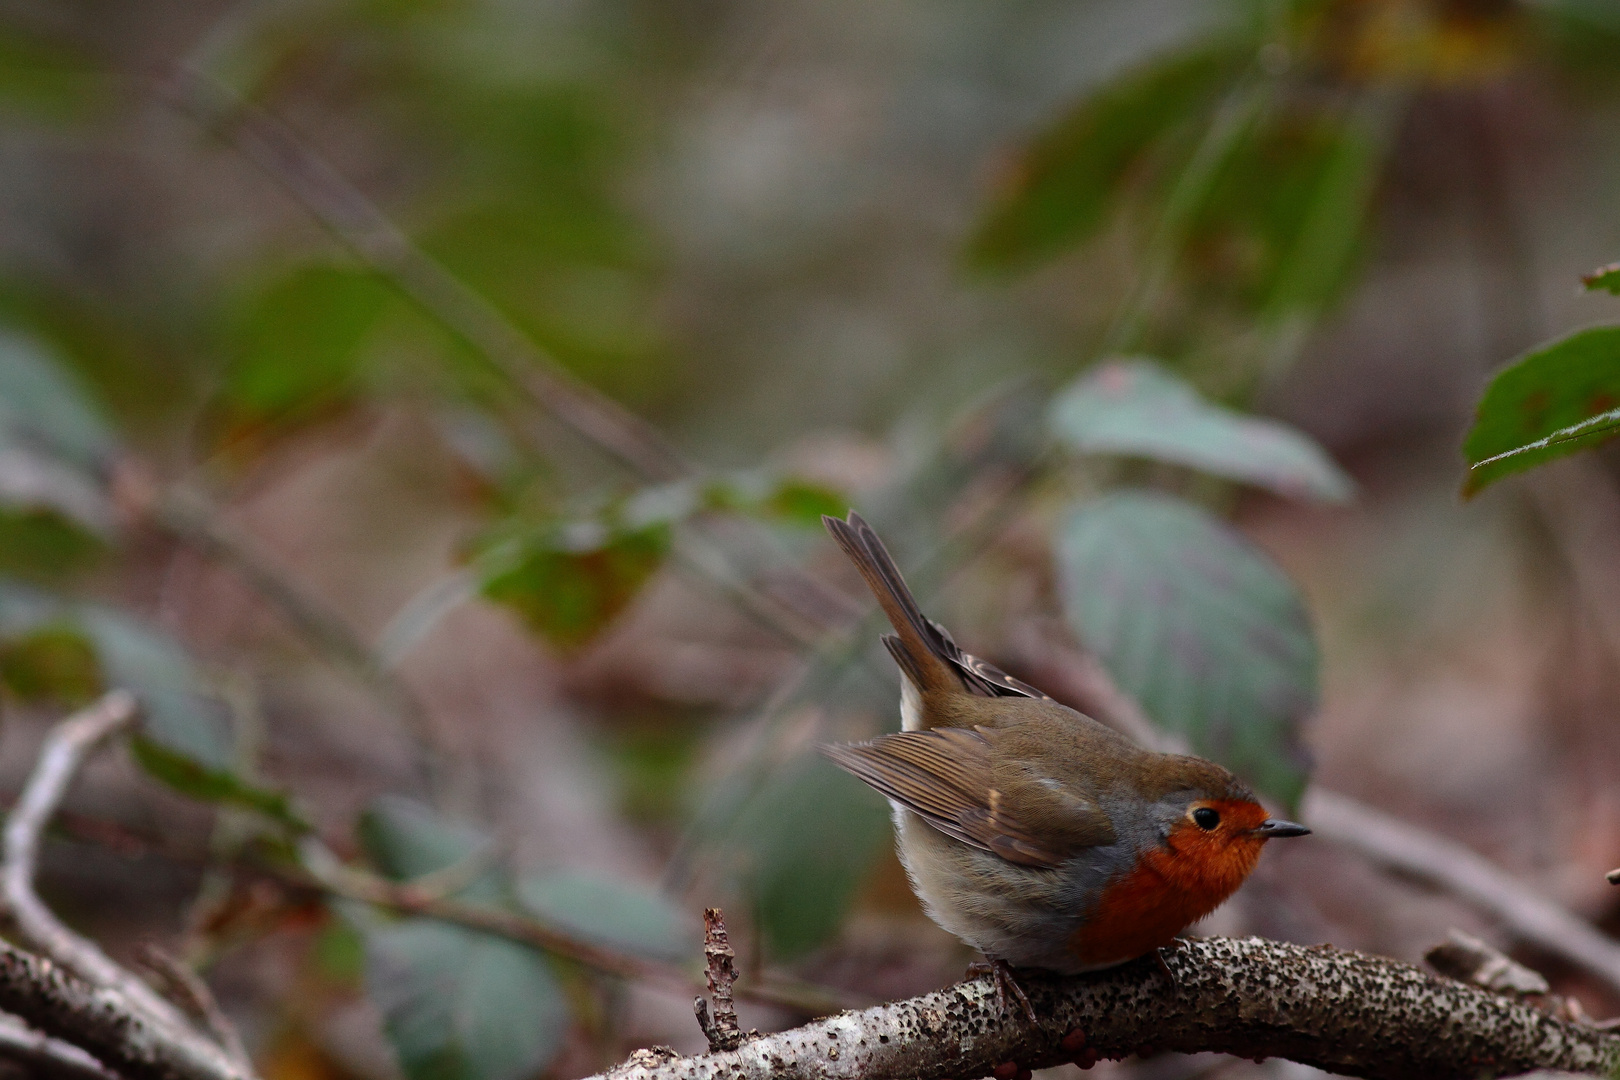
(1345, 1012)
(103, 1022)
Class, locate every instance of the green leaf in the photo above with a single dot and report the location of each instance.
(175, 714)
(215, 785)
(1277, 230)
(1136, 408)
(299, 345)
(1560, 398)
(1604, 277)
(1066, 183)
(1199, 626)
(42, 406)
(41, 545)
(569, 581)
(33, 482)
(459, 1005)
(45, 80)
(407, 840)
(613, 913)
(1317, 241)
(74, 651)
(50, 663)
(811, 835)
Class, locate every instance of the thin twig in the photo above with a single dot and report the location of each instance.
(363, 228)
(188, 517)
(1346, 1012)
(194, 995)
(329, 875)
(1525, 913)
(65, 749)
(44, 1056)
(76, 992)
(366, 231)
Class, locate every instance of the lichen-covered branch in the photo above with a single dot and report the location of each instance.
(1346, 1012)
(102, 1022)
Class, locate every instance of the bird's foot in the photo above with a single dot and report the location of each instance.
(1007, 988)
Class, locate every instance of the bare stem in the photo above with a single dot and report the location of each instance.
(405, 898)
(1416, 852)
(191, 520)
(363, 228)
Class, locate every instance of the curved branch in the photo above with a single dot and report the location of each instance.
(65, 748)
(1347, 1012)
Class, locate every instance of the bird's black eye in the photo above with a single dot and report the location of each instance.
(1205, 818)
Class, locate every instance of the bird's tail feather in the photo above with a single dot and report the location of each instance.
(915, 645)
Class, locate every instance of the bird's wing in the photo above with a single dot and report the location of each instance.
(981, 676)
(947, 776)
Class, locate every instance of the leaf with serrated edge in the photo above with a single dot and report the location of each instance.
(1199, 626)
(1604, 277)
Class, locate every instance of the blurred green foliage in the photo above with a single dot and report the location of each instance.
(1233, 181)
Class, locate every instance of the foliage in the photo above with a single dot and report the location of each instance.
(1137, 408)
(1551, 402)
(1231, 187)
(1198, 626)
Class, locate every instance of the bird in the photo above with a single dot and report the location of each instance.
(1032, 832)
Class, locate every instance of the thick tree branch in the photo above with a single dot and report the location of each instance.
(102, 1022)
(1343, 1011)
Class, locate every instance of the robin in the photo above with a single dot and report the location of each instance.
(1029, 830)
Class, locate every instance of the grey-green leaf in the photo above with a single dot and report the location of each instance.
(459, 1005)
(614, 913)
(1199, 626)
(42, 406)
(175, 713)
(811, 834)
(407, 840)
(1136, 408)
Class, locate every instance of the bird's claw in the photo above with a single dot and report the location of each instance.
(1007, 987)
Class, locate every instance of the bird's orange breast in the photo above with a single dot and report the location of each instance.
(1168, 890)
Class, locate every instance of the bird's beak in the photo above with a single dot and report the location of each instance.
(1273, 827)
